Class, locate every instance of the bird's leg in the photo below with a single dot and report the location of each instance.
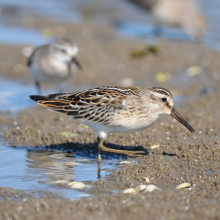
(38, 87)
(124, 152)
(100, 144)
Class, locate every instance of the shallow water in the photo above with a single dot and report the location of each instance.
(14, 96)
(39, 169)
(23, 35)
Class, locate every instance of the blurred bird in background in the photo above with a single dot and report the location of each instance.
(185, 14)
(54, 63)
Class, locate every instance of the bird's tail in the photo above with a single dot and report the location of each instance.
(51, 102)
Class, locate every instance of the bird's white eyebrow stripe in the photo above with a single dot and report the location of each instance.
(160, 90)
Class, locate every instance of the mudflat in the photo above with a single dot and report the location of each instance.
(189, 71)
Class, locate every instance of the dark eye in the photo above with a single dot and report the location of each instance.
(164, 99)
(64, 51)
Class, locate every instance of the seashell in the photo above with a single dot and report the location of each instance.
(183, 185)
(151, 188)
(147, 179)
(77, 185)
(125, 162)
(140, 188)
(154, 146)
(130, 191)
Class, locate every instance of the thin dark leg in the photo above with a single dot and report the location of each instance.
(38, 87)
(123, 152)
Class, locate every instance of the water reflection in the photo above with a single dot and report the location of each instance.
(40, 169)
(53, 166)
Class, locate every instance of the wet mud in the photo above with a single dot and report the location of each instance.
(194, 73)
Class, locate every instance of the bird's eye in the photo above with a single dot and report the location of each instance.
(62, 50)
(164, 99)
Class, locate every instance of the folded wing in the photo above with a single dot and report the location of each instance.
(95, 104)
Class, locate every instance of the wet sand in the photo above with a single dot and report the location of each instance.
(181, 156)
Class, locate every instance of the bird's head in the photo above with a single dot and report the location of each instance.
(65, 51)
(161, 101)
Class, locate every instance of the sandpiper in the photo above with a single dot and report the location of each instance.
(111, 109)
(185, 14)
(54, 63)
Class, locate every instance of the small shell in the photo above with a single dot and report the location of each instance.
(125, 162)
(77, 185)
(147, 179)
(151, 188)
(130, 191)
(154, 146)
(183, 185)
(140, 188)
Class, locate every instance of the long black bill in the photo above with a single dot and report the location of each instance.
(179, 118)
(75, 60)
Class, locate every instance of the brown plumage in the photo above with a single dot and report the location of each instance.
(114, 109)
(96, 104)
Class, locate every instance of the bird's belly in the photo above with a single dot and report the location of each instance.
(127, 121)
(122, 129)
(132, 125)
(47, 72)
(115, 128)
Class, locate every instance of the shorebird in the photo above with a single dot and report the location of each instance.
(111, 109)
(185, 14)
(54, 63)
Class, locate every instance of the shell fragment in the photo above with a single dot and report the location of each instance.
(183, 186)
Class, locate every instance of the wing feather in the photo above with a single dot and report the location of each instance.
(96, 105)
